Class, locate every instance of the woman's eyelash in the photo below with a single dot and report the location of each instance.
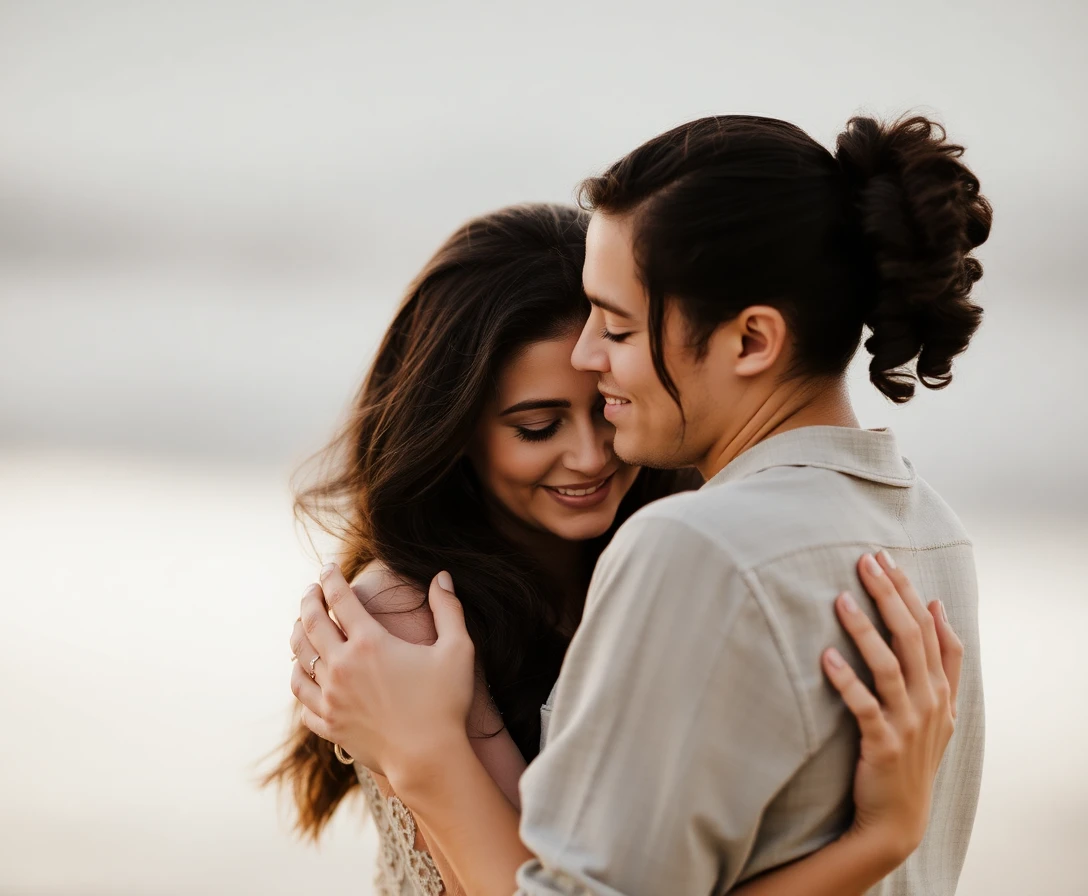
(613, 337)
(537, 435)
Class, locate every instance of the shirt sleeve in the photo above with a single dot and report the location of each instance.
(674, 724)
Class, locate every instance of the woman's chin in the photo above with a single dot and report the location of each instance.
(586, 527)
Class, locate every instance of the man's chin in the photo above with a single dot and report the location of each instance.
(644, 453)
(632, 450)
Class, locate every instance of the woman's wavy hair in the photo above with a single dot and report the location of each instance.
(736, 210)
(395, 484)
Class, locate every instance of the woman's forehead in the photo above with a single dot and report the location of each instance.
(543, 370)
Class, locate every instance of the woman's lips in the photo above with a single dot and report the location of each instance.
(590, 496)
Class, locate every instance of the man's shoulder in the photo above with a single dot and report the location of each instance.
(684, 540)
(684, 517)
(743, 521)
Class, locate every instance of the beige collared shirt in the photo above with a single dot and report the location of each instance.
(692, 740)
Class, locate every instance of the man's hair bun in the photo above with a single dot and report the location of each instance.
(920, 215)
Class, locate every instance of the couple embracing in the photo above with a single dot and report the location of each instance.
(616, 542)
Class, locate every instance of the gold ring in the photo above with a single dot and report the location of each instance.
(313, 662)
(341, 755)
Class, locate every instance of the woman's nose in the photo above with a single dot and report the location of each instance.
(591, 453)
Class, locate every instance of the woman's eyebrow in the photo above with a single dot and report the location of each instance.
(536, 404)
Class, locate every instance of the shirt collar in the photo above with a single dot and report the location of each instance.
(866, 453)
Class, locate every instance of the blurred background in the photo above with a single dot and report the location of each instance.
(207, 213)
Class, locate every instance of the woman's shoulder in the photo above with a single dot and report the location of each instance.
(399, 605)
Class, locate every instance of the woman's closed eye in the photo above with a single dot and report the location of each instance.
(536, 432)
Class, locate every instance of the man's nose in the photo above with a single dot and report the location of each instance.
(589, 353)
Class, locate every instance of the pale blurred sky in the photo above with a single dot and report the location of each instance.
(208, 209)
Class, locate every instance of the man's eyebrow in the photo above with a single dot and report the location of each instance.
(605, 305)
(535, 404)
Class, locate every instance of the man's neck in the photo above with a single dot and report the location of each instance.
(821, 403)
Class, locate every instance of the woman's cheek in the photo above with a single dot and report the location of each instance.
(523, 464)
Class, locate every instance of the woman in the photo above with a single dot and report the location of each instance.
(475, 447)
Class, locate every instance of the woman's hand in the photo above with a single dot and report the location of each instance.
(904, 734)
(394, 706)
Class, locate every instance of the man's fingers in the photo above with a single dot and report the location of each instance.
(951, 651)
(917, 609)
(878, 656)
(449, 615)
(345, 605)
(858, 698)
(322, 632)
(909, 644)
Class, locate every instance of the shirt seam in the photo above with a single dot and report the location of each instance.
(748, 575)
(785, 657)
(851, 543)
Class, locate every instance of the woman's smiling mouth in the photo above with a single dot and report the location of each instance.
(582, 494)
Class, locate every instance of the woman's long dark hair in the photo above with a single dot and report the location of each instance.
(395, 485)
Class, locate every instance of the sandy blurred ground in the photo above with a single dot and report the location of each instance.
(147, 608)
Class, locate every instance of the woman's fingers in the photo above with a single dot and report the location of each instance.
(857, 697)
(322, 632)
(315, 723)
(917, 609)
(878, 656)
(446, 609)
(951, 651)
(909, 644)
(308, 658)
(307, 692)
(345, 605)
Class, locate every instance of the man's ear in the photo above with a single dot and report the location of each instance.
(763, 334)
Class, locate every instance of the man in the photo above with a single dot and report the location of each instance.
(691, 741)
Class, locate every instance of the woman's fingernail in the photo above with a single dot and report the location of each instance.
(849, 604)
(835, 658)
(445, 581)
(327, 568)
(872, 566)
(887, 558)
(312, 591)
(944, 615)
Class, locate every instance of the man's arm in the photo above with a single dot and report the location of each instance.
(675, 723)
